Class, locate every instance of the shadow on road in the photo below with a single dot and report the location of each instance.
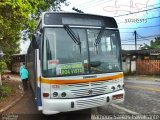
(26, 109)
(76, 115)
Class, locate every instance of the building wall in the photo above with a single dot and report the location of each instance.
(148, 67)
(129, 66)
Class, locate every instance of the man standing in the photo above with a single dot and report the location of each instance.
(24, 77)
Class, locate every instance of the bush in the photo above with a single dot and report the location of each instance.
(5, 91)
(3, 66)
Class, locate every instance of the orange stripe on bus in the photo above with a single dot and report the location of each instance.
(53, 81)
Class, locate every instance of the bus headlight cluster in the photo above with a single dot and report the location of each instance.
(118, 87)
(63, 94)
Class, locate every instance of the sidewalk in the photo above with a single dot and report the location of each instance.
(12, 80)
(143, 77)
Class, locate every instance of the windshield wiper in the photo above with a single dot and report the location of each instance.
(75, 38)
(99, 36)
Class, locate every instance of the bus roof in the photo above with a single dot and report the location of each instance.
(64, 12)
(83, 19)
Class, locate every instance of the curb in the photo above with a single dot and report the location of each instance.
(12, 104)
(157, 80)
(143, 79)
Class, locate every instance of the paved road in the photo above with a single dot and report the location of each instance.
(141, 97)
(26, 109)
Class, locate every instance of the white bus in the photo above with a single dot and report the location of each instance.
(74, 62)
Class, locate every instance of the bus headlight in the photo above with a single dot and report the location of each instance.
(63, 94)
(123, 86)
(119, 86)
(55, 94)
(113, 88)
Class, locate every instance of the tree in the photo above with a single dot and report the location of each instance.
(2, 67)
(153, 44)
(16, 16)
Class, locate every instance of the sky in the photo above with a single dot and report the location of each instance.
(142, 16)
(24, 46)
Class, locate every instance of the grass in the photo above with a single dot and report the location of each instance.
(5, 90)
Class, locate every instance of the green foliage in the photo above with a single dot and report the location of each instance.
(16, 16)
(3, 66)
(5, 91)
(153, 44)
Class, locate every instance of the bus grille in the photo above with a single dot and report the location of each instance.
(90, 102)
(89, 89)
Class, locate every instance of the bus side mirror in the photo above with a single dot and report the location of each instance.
(34, 42)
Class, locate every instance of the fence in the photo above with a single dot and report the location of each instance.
(148, 67)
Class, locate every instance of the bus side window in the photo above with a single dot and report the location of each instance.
(34, 42)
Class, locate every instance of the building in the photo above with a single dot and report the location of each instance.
(141, 61)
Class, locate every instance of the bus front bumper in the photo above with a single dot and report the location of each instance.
(54, 106)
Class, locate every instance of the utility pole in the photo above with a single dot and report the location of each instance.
(135, 35)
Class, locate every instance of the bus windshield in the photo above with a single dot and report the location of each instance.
(79, 51)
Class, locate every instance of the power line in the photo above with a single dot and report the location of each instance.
(140, 39)
(152, 5)
(130, 44)
(93, 5)
(151, 36)
(125, 32)
(86, 3)
(153, 17)
(101, 2)
(141, 27)
(143, 38)
(137, 12)
(145, 18)
(140, 36)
